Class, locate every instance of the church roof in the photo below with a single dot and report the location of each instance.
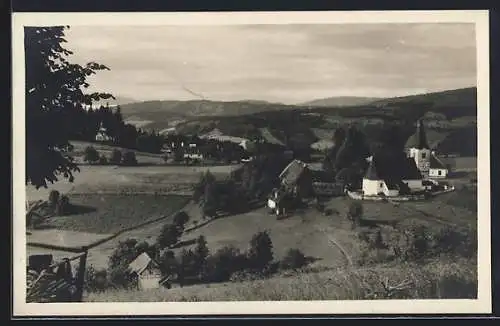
(436, 163)
(419, 138)
(392, 168)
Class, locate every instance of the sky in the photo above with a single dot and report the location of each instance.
(278, 63)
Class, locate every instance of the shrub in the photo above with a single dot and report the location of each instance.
(225, 262)
(201, 254)
(180, 219)
(169, 236)
(95, 280)
(293, 259)
(120, 277)
(103, 160)
(63, 206)
(168, 263)
(124, 254)
(129, 159)
(260, 253)
(186, 266)
(355, 213)
(116, 156)
(90, 155)
(53, 199)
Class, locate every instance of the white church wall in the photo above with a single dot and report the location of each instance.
(373, 187)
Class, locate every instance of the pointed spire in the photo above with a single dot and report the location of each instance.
(422, 137)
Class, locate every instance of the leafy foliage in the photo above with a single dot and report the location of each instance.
(91, 155)
(53, 91)
(293, 259)
(116, 156)
(169, 235)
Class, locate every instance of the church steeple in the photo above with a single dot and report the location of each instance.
(422, 137)
(419, 139)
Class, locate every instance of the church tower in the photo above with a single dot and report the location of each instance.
(419, 149)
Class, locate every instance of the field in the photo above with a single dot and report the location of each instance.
(112, 213)
(435, 280)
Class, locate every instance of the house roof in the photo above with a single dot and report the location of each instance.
(141, 263)
(436, 163)
(392, 168)
(292, 172)
(419, 138)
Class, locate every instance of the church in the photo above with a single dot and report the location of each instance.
(403, 173)
(102, 134)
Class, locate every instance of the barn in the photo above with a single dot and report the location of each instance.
(147, 272)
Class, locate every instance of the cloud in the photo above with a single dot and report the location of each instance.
(286, 63)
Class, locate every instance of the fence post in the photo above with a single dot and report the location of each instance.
(80, 280)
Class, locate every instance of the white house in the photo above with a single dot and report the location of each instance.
(391, 176)
(147, 272)
(437, 169)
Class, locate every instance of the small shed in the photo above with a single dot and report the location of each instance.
(147, 271)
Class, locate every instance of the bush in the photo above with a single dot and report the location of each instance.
(355, 213)
(129, 159)
(169, 236)
(201, 254)
(95, 280)
(103, 160)
(260, 254)
(168, 263)
(53, 199)
(124, 254)
(293, 259)
(225, 262)
(63, 206)
(91, 155)
(180, 219)
(120, 277)
(116, 156)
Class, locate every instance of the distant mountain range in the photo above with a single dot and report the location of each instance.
(453, 103)
(343, 101)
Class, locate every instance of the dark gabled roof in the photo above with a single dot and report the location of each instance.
(292, 172)
(141, 263)
(436, 163)
(392, 168)
(419, 138)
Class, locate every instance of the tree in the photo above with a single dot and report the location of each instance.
(355, 213)
(168, 263)
(103, 160)
(180, 219)
(201, 253)
(169, 236)
(91, 155)
(53, 89)
(53, 199)
(124, 254)
(260, 254)
(129, 159)
(209, 203)
(116, 156)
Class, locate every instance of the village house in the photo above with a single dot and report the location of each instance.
(147, 272)
(299, 181)
(102, 134)
(426, 160)
(392, 175)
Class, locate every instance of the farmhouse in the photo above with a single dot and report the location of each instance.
(102, 134)
(426, 160)
(392, 175)
(147, 272)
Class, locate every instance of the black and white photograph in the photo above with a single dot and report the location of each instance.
(219, 163)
